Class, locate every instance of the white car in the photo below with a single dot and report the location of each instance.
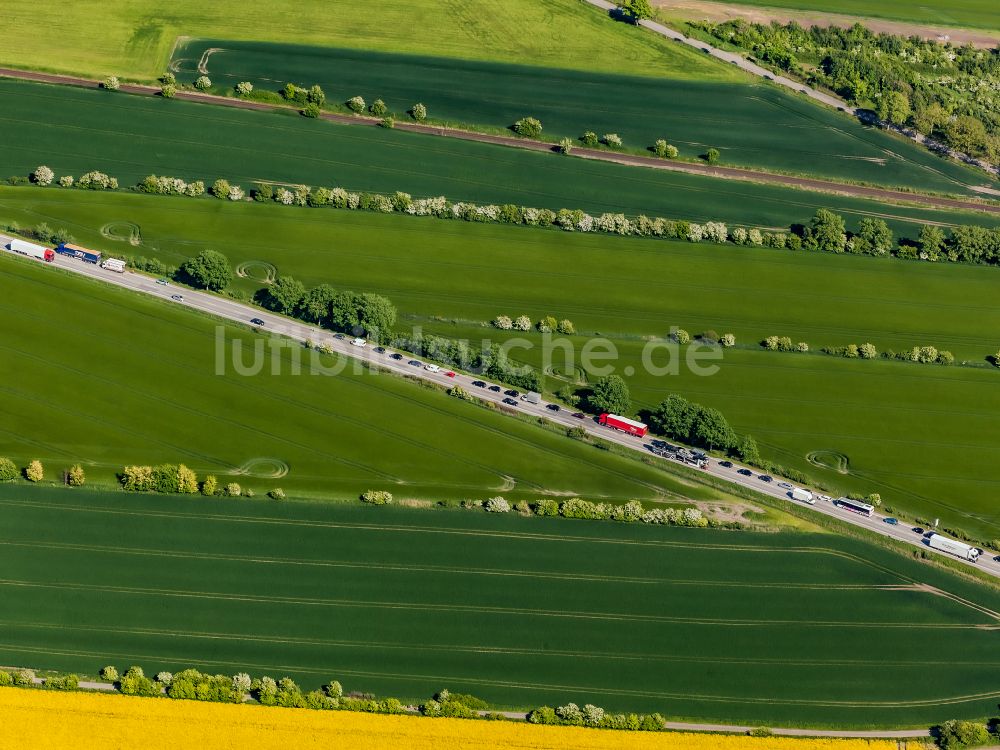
(359, 342)
(432, 368)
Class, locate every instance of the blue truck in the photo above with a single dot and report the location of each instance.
(75, 251)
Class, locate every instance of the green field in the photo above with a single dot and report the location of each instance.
(76, 130)
(104, 377)
(753, 125)
(922, 435)
(722, 626)
(137, 36)
(975, 14)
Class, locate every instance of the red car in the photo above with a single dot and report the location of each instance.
(449, 374)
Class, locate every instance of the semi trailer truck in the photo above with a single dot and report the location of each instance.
(32, 250)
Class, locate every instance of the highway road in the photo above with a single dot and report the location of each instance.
(397, 362)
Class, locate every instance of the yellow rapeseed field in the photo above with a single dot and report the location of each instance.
(45, 720)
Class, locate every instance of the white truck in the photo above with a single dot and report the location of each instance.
(32, 250)
(954, 547)
(802, 495)
(113, 264)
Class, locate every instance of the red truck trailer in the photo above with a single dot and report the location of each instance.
(623, 424)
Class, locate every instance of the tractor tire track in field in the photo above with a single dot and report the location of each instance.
(417, 568)
(409, 646)
(514, 612)
(478, 533)
(563, 689)
(729, 173)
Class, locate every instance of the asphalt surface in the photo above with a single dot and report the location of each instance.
(527, 144)
(397, 362)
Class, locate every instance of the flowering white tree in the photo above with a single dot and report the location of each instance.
(164, 678)
(585, 223)
(419, 112)
(97, 181)
(236, 193)
(570, 713)
(111, 83)
(357, 104)
(233, 489)
(497, 505)
(755, 237)
(693, 517)
(43, 175)
(716, 231)
(66, 180)
(244, 88)
(593, 715)
(728, 340)
(695, 232)
(868, 351)
(503, 322)
(194, 189)
(203, 83)
(802, 346)
(612, 139)
(523, 323)
(739, 236)
(241, 684)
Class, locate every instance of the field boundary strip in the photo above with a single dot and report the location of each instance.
(732, 173)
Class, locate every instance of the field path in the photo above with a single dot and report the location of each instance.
(820, 96)
(706, 170)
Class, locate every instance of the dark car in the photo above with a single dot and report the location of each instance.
(338, 335)
(257, 321)
(510, 402)
(918, 530)
(414, 363)
(496, 388)
(891, 521)
(745, 472)
(579, 415)
(553, 407)
(380, 349)
(512, 393)
(726, 464)
(765, 478)
(395, 355)
(479, 383)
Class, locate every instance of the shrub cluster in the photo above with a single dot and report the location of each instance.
(921, 354)
(170, 186)
(630, 512)
(167, 478)
(377, 497)
(548, 324)
(595, 716)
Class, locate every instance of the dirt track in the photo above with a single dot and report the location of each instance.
(729, 173)
(718, 12)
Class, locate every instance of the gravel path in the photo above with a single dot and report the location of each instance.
(729, 173)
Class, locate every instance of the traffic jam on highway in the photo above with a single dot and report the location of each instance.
(619, 429)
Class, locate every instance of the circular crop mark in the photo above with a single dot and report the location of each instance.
(262, 468)
(835, 460)
(122, 231)
(257, 270)
(568, 373)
